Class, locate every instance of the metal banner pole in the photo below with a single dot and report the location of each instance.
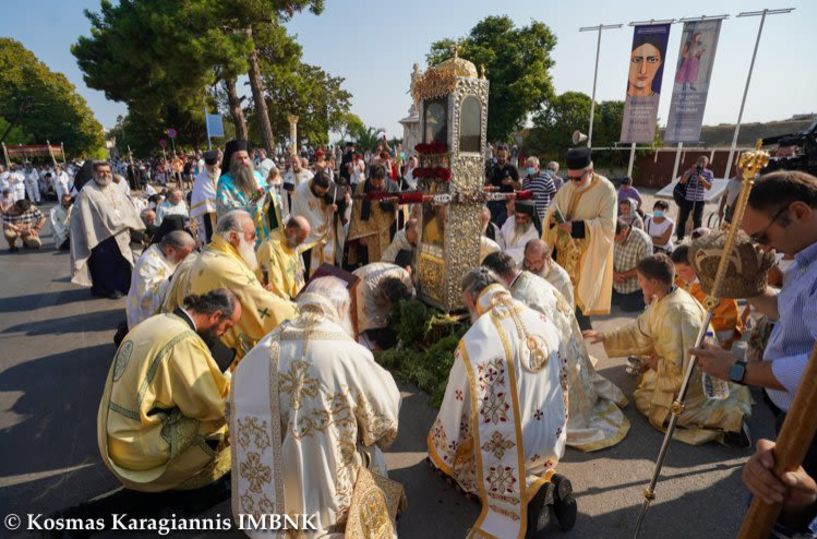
(598, 28)
(749, 76)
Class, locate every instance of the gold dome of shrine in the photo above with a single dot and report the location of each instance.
(457, 67)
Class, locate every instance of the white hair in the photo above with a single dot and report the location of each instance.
(533, 160)
(554, 166)
(232, 221)
(330, 288)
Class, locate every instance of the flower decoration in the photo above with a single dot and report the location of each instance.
(431, 148)
(433, 173)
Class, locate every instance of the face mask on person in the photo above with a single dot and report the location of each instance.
(531, 171)
(658, 213)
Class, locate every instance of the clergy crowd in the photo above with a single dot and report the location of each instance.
(258, 292)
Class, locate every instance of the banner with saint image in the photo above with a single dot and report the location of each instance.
(695, 59)
(644, 82)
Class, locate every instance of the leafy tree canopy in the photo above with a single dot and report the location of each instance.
(38, 104)
(517, 63)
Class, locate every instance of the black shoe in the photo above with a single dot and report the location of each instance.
(539, 512)
(116, 294)
(740, 440)
(564, 504)
(13, 248)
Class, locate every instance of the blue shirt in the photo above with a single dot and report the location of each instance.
(795, 332)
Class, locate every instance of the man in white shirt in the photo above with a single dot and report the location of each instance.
(32, 179)
(5, 182)
(17, 181)
(264, 163)
(62, 183)
(174, 205)
(296, 175)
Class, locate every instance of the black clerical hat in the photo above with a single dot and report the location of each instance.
(235, 145)
(578, 158)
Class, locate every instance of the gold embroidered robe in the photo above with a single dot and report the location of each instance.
(310, 413)
(502, 425)
(588, 261)
(374, 233)
(595, 420)
(163, 402)
(220, 266)
(283, 265)
(669, 328)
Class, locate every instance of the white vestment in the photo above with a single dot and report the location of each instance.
(558, 277)
(514, 242)
(62, 185)
(149, 283)
(595, 420)
(100, 213)
(32, 179)
(399, 243)
(60, 223)
(291, 178)
(309, 411)
(18, 185)
(502, 425)
(203, 200)
(321, 238)
(370, 311)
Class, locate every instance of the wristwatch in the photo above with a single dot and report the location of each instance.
(737, 372)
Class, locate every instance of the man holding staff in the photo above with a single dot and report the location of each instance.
(781, 215)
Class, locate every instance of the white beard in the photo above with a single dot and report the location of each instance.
(102, 182)
(519, 231)
(247, 252)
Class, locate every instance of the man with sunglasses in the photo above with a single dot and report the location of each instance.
(579, 227)
(781, 215)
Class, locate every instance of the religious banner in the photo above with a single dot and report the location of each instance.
(644, 82)
(695, 59)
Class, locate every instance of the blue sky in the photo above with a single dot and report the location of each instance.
(373, 44)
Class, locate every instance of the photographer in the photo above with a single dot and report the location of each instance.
(697, 180)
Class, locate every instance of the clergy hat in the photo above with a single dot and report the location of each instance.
(529, 208)
(211, 157)
(578, 158)
(235, 145)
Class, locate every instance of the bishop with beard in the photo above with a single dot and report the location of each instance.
(229, 262)
(240, 186)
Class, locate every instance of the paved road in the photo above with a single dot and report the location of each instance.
(56, 348)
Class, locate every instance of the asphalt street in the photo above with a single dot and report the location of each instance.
(56, 343)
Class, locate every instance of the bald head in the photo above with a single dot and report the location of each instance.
(537, 256)
(296, 231)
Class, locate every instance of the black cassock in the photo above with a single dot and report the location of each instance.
(110, 271)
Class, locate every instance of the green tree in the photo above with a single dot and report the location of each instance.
(555, 123)
(39, 104)
(315, 96)
(257, 20)
(517, 62)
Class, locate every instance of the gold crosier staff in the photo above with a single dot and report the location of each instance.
(751, 163)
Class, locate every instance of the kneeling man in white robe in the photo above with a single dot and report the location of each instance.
(502, 425)
(596, 422)
(310, 413)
